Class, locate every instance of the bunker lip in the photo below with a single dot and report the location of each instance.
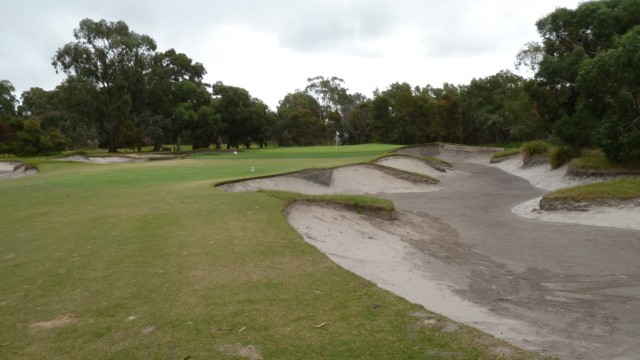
(102, 159)
(15, 169)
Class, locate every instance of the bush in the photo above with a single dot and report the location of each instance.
(533, 148)
(562, 155)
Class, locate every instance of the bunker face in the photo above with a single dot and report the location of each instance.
(357, 179)
(10, 170)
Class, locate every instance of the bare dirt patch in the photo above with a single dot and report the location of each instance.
(53, 324)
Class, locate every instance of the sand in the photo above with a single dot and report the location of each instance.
(411, 164)
(356, 179)
(102, 159)
(379, 251)
(541, 176)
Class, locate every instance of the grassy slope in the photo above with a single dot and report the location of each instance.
(619, 189)
(100, 244)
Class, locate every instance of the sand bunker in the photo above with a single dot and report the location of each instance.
(354, 179)
(14, 169)
(541, 176)
(379, 250)
(102, 159)
(412, 164)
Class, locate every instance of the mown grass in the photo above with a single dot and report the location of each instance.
(619, 189)
(150, 261)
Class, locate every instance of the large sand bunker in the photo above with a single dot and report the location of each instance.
(560, 288)
(353, 179)
(14, 169)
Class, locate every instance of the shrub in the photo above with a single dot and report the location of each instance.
(562, 155)
(532, 148)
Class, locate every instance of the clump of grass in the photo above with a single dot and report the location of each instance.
(504, 153)
(536, 147)
(562, 155)
(619, 189)
(357, 202)
(593, 159)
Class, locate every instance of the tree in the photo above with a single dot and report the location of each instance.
(8, 101)
(114, 59)
(243, 118)
(610, 88)
(569, 39)
(170, 75)
(299, 121)
(9, 123)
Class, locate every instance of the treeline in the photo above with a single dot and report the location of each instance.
(121, 92)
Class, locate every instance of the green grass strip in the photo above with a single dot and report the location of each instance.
(505, 153)
(619, 189)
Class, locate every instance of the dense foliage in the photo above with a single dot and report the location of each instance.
(121, 92)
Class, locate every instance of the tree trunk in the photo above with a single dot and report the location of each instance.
(112, 142)
(179, 144)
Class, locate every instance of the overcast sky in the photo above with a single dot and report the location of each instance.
(271, 47)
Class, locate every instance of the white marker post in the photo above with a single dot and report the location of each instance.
(337, 133)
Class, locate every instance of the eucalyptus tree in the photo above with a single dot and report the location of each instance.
(114, 60)
(570, 39)
(299, 121)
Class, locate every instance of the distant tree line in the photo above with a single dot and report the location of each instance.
(121, 92)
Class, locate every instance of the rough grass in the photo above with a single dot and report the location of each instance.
(534, 148)
(598, 162)
(505, 153)
(620, 189)
(149, 261)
